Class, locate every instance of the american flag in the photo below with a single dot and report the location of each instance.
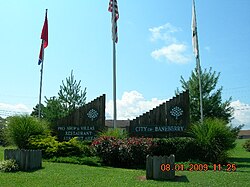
(115, 17)
(44, 37)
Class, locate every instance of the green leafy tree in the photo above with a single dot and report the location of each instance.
(53, 110)
(213, 106)
(70, 94)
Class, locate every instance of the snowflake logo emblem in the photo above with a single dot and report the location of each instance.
(176, 112)
(92, 114)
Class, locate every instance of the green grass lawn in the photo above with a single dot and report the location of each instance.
(59, 174)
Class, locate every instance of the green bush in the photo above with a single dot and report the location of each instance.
(20, 128)
(213, 139)
(116, 133)
(8, 166)
(52, 148)
(182, 147)
(74, 148)
(47, 144)
(246, 145)
(90, 161)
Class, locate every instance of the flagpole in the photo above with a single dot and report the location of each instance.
(42, 61)
(200, 88)
(114, 64)
(197, 56)
(114, 84)
(41, 82)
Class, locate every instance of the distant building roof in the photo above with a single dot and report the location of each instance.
(244, 132)
(119, 123)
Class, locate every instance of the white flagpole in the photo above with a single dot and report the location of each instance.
(200, 88)
(197, 56)
(114, 62)
(114, 84)
(41, 80)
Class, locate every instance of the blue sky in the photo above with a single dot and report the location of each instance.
(154, 50)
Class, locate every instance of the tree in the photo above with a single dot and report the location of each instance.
(70, 94)
(2, 122)
(70, 97)
(53, 110)
(213, 106)
(35, 111)
(2, 127)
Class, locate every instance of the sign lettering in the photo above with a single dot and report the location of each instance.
(81, 132)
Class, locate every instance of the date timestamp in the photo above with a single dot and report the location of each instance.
(198, 167)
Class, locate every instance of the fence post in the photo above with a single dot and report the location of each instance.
(149, 167)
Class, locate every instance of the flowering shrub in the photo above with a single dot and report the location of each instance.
(208, 142)
(132, 152)
(128, 152)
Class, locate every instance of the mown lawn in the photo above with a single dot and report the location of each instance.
(59, 174)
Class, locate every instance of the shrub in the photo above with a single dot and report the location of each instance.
(105, 149)
(132, 152)
(246, 145)
(139, 149)
(116, 133)
(8, 166)
(68, 148)
(52, 148)
(90, 161)
(129, 152)
(87, 150)
(182, 147)
(213, 139)
(48, 145)
(20, 128)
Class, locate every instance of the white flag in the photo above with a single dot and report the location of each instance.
(194, 32)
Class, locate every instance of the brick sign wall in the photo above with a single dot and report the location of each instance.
(168, 119)
(84, 122)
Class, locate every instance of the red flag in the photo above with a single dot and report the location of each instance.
(44, 37)
(115, 17)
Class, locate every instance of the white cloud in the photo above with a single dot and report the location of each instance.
(241, 114)
(131, 105)
(164, 32)
(9, 109)
(174, 53)
(173, 50)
